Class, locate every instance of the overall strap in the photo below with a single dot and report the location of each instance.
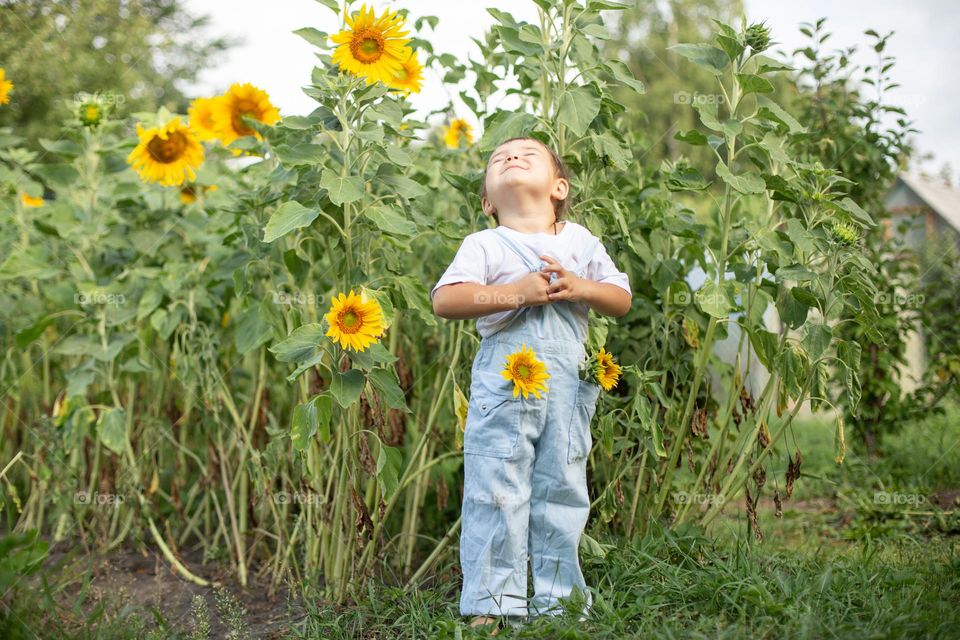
(517, 249)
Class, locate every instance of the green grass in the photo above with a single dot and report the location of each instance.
(837, 564)
(682, 584)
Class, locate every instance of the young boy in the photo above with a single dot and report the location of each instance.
(530, 283)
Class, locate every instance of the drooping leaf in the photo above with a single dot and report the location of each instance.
(288, 216)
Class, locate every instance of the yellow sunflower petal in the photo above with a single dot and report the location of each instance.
(355, 321)
(168, 154)
(5, 87)
(372, 47)
(241, 100)
(526, 372)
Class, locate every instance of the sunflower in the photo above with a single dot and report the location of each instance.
(526, 372)
(410, 75)
(239, 101)
(606, 371)
(457, 133)
(188, 192)
(29, 201)
(168, 154)
(201, 118)
(90, 113)
(5, 86)
(372, 47)
(355, 321)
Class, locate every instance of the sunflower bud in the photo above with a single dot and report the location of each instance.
(844, 233)
(90, 113)
(757, 37)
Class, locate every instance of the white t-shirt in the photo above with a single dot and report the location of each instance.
(486, 259)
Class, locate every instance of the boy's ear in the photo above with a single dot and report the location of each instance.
(560, 188)
(488, 208)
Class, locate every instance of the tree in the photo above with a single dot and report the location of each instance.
(135, 52)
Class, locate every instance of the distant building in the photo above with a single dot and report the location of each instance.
(929, 210)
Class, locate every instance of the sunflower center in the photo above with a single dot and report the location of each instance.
(169, 150)
(243, 108)
(91, 113)
(402, 74)
(523, 372)
(367, 45)
(350, 322)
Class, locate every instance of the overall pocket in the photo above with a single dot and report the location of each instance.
(493, 417)
(583, 409)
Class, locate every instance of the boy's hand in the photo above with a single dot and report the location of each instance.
(567, 286)
(531, 289)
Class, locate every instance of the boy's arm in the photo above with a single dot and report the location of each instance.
(602, 297)
(606, 298)
(463, 300)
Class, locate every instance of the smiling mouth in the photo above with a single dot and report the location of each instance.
(512, 166)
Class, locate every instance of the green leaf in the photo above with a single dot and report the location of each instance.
(578, 107)
(764, 344)
(390, 221)
(693, 137)
(252, 330)
(793, 313)
(31, 264)
(750, 83)
(314, 36)
(855, 210)
(389, 465)
(849, 354)
(303, 425)
(711, 58)
(607, 146)
(341, 189)
(402, 186)
(333, 5)
(622, 72)
(324, 404)
(745, 183)
(503, 125)
(387, 384)
(770, 110)
(714, 300)
(346, 387)
(817, 339)
(288, 216)
(112, 430)
(415, 295)
(58, 175)
(796, 272)
(513, 43)
(302, 344)
(300, 154)
(31, 333)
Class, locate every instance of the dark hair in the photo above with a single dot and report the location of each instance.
(560, 207)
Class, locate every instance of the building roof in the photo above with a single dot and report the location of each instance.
(944, 200)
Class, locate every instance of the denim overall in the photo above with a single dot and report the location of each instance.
(525, 464)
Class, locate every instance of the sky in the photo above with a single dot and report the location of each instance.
(925, 44)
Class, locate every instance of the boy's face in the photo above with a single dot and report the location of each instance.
(521, 166)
